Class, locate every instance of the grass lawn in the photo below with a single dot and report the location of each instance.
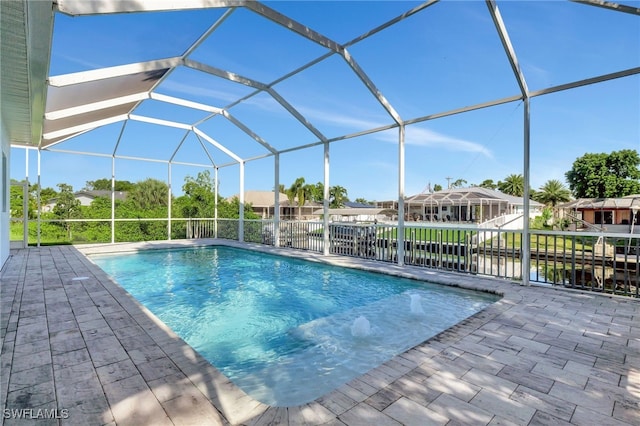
(428, 234)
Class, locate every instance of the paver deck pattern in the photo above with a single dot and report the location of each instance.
(78, 347)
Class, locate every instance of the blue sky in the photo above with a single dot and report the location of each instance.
(445, 57)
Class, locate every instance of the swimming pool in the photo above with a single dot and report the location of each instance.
(284, 330)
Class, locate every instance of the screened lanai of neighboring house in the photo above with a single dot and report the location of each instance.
(474, 204)
(104, 86)
(614, 214)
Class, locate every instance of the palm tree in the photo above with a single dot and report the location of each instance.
(512, 185)
(552, 193)
(291, 196)
(297, 191)
(149, 194)
(458, 183)
(337, 196)
(316, 192)
(488, 183)
(301, 195)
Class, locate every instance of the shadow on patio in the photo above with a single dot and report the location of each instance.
(76, 343)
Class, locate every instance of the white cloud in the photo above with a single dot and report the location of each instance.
(80, 61)
(200, 91)
(541, 76)
(350, 121)
(384, 165)
(420, 136)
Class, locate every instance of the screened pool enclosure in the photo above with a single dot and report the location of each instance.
(383, 95)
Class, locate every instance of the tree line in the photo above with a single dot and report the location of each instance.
(601, 175)
(147, 199)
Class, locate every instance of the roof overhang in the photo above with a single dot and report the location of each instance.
(26, 29)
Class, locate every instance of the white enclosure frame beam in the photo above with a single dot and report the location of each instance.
(276, 201)
(401, 183)
(25, 201)
(325, 199)
(371, 86)
(206, 151)
(610, 5)
(292, 25)
(203, 37)
(513, 60)
(227, 75)
(526, 236)
(175, 152)
(103, 7)
(248, 131)
(325, 42)
(170, 186)
(169, 204)
(286, 105)
(391, 22)
(599, 79)
(39, 198)
(241, 205)
(159, 122)
(113, 199)
(182, 102)
(215, 202)
(508, 47)
(217, 144)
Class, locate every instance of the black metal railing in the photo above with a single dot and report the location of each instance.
(594, 261)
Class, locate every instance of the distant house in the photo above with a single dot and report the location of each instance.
(354, 205)
(357, 214)
(86, 197)
(263, 204)
(473, 204)
(607, 214)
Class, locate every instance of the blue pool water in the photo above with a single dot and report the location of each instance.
(281, 328)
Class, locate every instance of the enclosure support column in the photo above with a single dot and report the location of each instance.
(25, 203)
(38, 201)
(325, 201)
(215, 202)
(519, 76)
(241, 207)
(526, 258)
(169, 203)
(400, 234)
(113, 199)
(276, 201)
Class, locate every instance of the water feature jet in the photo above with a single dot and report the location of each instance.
(415, 306)
(360, 327)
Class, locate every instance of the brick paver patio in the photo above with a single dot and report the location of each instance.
(76, 346)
